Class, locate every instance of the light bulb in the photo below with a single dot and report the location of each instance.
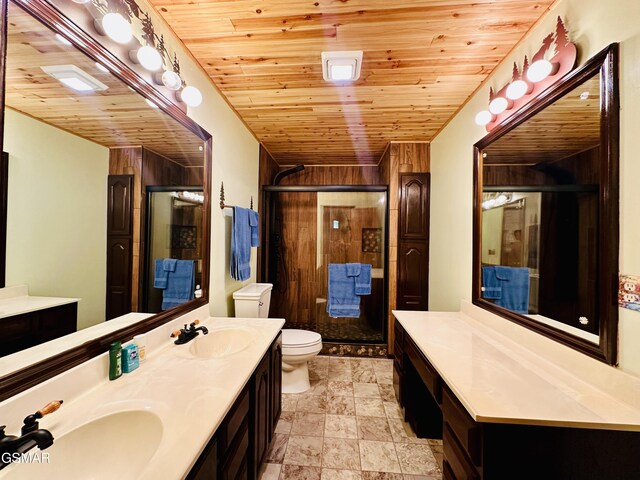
(191, 96)
(117, 28)
(539, 70)
(498, 105)
(149, 58)
(517, 89)
(483, 118)
(81, 1)
(171, 80)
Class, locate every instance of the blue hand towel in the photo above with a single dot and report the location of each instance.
(353, 269)
(253, 225)
(160, 274)
(169, 264)
(342, 300)
(240, 268)
(491, 285)
(180, 284)
(363, 280)
(515, 288)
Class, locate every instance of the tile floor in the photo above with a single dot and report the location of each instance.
(349, 427)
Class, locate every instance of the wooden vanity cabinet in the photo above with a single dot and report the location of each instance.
(239, 446)
(398, 360)
(33, 328)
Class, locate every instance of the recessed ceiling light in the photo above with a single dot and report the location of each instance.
(341, 66)
(75, 78)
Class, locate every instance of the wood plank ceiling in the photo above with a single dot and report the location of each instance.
(422, 60)
(117, 117)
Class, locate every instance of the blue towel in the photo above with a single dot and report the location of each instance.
(513, 283)
(353, 269)
(253, 225)
(169, 264)
(180, 284)
(240, 268)
(363, 280)
(160, 274)
(342, 300)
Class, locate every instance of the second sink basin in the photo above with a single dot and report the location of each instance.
(222, 342)
(119, 445)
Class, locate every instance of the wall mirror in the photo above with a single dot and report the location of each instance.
(103, 190)
(546, 212)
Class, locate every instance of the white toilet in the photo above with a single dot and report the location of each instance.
(298, 346)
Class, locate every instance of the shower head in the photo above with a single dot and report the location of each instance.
(285, 173)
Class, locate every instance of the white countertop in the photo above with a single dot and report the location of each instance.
(16, 301)
(190, 395)
(498, 380)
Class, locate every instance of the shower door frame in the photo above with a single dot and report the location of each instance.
(267, 190)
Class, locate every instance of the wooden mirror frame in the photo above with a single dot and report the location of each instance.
(605, 64)
(25, 378)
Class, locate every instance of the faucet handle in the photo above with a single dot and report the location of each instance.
(194, 323)
(49, 408)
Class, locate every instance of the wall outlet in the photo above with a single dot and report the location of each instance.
(629, 292)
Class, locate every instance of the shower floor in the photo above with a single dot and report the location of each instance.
(341, 332)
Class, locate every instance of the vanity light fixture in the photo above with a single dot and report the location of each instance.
(171, 80)
(75, 78)
(341, 66)
(148, 57)
(81, 1)
(63, 40)
(533, 79)
(190, 95)
(116, 27)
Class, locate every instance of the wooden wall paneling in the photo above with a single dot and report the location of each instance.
(335, 175)
(4, 190)
(267, 168)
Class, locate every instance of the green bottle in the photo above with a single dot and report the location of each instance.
(115, 360)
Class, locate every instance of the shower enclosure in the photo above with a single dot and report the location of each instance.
(309, 227)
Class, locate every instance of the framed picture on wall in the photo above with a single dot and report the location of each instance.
(184, 236)
(371, 240)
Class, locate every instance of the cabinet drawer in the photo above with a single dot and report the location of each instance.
(427, 373)
(459, 465)
(465, 428)
(236, 460)
(239, 412)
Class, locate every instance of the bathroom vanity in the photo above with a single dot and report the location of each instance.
(505, 411)
(31, 320)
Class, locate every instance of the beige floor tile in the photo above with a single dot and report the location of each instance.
(392, 409)
(318, 387)
(369, 407)
(303, 450)
(402, 433)
(416, 459)
(340, 375)
(340, 426)
(270, 471)
(379, 457)
(298, 472)
(369, 390)
(333, 474)
(364, 376)
(362, 363)
(312, 403)
(387, 392)
(311, 424)
(422, 477)
(340, 388)
(342, 453)
(278, 448)
(374, 428)
(289, 402)
(284, 423)
(340, 405)
(384, 376)
(381, 476)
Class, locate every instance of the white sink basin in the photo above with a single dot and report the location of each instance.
(222, 342)
(119, 446)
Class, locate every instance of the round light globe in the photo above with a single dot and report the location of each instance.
(539, 70)
(483, 118)
(171, 80)
(498, 105)
(517, 90)
(191, 96)
(149, 58)
(117, 28)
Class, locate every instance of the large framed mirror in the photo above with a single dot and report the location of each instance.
(546, 212)
(107, 188)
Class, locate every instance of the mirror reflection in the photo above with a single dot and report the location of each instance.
(541, 185)
(84, 237)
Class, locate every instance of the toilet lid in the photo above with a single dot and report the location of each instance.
(299, 338)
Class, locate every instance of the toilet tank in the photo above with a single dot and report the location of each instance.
(253, 300)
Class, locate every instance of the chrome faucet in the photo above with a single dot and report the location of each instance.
(187, 334)
(30, 436)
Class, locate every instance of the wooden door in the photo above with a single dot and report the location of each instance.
(413, 242)
(276, 384)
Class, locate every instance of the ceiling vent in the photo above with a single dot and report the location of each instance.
(74, 77)
(341, 66)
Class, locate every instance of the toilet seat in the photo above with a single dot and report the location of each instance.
(300, 342)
